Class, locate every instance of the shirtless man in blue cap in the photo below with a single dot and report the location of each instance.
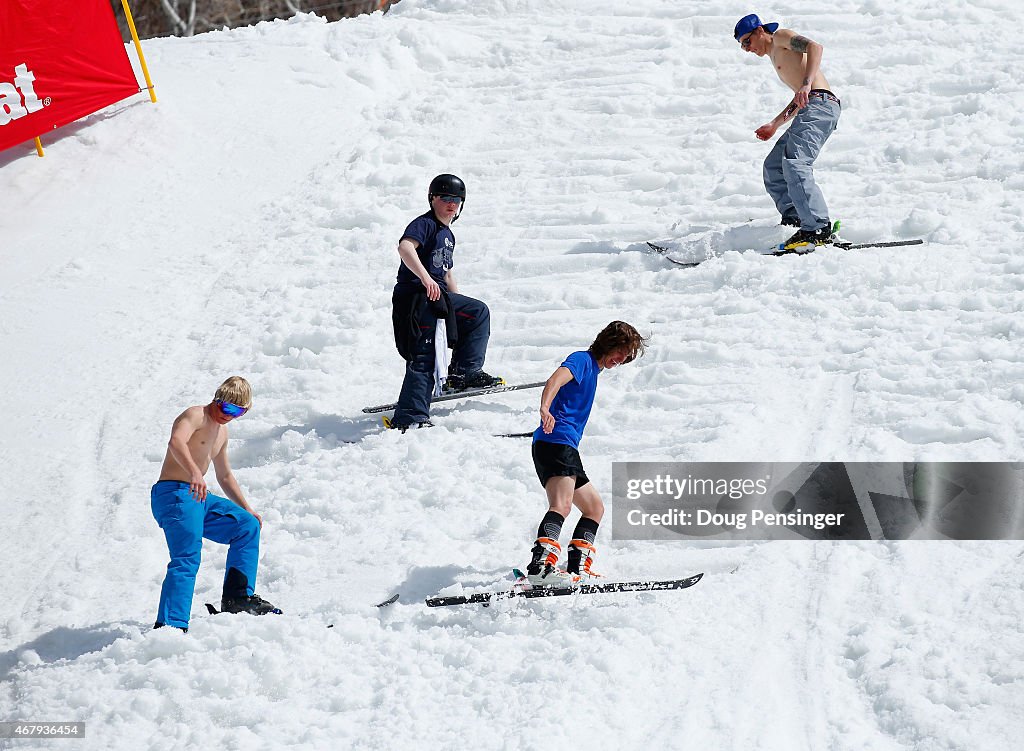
(789, 168)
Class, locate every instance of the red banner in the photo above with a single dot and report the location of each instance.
(59, 60)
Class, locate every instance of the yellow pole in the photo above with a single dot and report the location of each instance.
(39, 146)
(138, 48)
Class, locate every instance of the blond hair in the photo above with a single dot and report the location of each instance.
(235, 390)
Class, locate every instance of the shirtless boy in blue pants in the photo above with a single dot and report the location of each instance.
(187, 512)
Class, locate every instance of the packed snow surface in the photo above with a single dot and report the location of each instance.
(247, 224)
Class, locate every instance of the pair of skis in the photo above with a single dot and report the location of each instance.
(528, 592)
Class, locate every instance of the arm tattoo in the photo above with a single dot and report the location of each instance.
(799, 43)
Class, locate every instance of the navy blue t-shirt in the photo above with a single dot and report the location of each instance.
(436, 250)
(571, 405)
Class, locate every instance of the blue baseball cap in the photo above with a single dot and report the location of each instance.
(748, 23)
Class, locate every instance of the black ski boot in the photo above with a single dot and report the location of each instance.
(158, 624)
(252, 604)
(803, 237)
(477, 380)
(236, 599)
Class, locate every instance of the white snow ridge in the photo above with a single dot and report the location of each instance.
(247, 224)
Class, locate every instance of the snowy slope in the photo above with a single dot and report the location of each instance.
(247, 224)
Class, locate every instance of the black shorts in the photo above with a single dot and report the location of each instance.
(558, 460)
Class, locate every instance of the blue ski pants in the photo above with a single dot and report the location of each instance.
(185, 522)
(474, 326)
(789, 167)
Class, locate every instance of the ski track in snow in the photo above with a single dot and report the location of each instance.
(248, 224)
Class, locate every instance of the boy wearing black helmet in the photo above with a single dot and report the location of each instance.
(427, 309)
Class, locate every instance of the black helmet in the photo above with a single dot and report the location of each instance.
(447, 185)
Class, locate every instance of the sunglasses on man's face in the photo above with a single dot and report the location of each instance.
(451, 199)
(230, 410)
(745, 42)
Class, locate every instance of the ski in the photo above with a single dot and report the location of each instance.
(514, 435)
(462, 395)
(887, 244)
(663, 252)
(212, 610)
(803, 250)
(486, 598)
(390, 601)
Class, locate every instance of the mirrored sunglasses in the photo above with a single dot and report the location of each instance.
(451, 199)
(230, 410)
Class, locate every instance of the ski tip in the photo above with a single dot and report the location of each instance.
(390, 601)
(211, 609)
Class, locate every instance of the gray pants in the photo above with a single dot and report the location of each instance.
(789, 168)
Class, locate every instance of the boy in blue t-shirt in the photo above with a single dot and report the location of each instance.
(564, 409)
(425, 291)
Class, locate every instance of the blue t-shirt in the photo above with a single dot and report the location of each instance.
(436, 250)
(571, 405)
